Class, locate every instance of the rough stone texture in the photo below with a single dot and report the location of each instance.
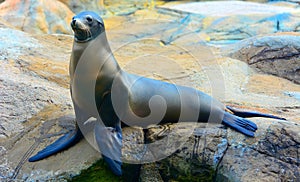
(37, 16)
(77, 6)
(36, 105)
(291, 1)
(150, 173)
(289, 4)
(54, 16)
(272, 156)
(133, 138)
(276, 54)
(228, 8)
(109, 7)
(211, 152)
(41, 130)
(194, 153)
(23, 92)
(229, 21)
(219, 22)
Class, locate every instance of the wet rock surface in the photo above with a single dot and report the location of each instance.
(230, 21)
(164, 44)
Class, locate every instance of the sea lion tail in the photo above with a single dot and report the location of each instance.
(60, 144)
(249, 114)
(242, 125)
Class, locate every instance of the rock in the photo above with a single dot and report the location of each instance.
(276, 54)
(41, 130)
(37, 16)
(230, 21)
(5, 24)
(28, 53)
(133, 138)
(228, 8)
(293, 94)
(285, 3)
(149, 172)
(63, 166)
(213, 153)
(196, 150)
(272, 156)
(290, 1)
(105, 8)
(37, 109)
(109, 8)
(82, 5)
(24, 93)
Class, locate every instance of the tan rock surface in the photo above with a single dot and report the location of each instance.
(37, 16)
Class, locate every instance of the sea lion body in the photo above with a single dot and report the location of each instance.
(120, 96)
(140, 90)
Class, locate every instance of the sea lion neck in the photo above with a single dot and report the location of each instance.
(96, 54)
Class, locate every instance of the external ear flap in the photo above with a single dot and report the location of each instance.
(100, 23)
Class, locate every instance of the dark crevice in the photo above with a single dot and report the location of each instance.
(221, 159)
(276, 147)
(289, 107)
(291, 137)
(281, 76)
(281, 160)
(265, 52)
(4, 134)
(24, 159)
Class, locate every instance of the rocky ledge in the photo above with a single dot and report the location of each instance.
(276, 54)
(215, 153)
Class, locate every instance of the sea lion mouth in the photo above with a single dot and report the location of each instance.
(82, 32)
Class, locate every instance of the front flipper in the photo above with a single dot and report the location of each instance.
(242, 125)
(109, 140)
(60, 144)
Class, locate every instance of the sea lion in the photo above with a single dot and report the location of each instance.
(101, 90)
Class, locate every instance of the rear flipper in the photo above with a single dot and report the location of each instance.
(249, 114)
(63, 143)
(242, 125)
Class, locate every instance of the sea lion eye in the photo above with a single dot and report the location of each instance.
(89, 19)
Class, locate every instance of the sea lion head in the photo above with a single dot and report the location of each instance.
(87, 25)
